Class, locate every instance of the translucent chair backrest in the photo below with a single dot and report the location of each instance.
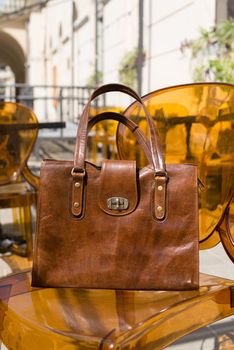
(18, 133)
(196, 125)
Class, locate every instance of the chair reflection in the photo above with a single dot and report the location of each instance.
(18, 186)
(78, 319)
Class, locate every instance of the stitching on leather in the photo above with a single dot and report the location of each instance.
(82, 214)
(160, 221)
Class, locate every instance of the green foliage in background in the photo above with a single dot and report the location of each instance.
(128, 68)
(94, 79)
(213, 53)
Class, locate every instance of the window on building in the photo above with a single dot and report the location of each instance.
(224, 10)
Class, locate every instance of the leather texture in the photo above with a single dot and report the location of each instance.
(130, 228)
(111, 185)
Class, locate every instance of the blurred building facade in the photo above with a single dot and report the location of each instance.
(88, 42)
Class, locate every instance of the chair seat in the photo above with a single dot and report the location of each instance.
(16, 195)
(70, 318)
(15, 188)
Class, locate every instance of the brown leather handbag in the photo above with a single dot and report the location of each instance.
(117, 226)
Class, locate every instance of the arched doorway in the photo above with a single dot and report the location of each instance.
(12, 55)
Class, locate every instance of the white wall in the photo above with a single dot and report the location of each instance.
(50, 51)
(167, 24)
(58, 40)
(84, 42)
(35, 54)
(120, 34)
(36, 59)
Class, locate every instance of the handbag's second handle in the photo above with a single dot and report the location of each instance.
(127, 122)
(155, 146)
(78, 171)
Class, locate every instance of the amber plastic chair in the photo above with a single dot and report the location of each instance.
(18, 186)
(82, 319)
(196, 125)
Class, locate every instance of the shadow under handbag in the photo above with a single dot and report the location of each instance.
(117, 226)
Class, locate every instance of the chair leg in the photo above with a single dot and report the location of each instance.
(22, 222)
(15, 218)
(26, 227)
(28, 231)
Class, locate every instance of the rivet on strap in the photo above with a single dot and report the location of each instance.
(160, 197)
(77, 192)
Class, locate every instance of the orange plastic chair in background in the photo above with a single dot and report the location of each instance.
(73, 318)
(196, 125)
(18, 186)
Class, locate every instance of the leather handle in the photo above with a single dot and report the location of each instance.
(127, 122)
(80, 148)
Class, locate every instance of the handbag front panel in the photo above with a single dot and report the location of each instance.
(133, 251)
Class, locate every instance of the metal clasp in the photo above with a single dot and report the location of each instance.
(117, 203)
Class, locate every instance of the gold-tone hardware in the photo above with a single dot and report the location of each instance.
(159, 208)
(160, 188)
(77, 184)
(75, 171)
(162, 174)
(76, 205)
(117, 203)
